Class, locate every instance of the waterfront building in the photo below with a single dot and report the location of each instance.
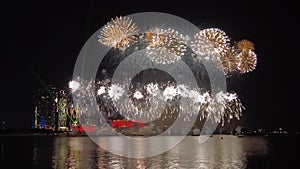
(45, 110)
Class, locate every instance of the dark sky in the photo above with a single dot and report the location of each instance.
(43, 40)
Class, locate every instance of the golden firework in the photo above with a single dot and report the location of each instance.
(245, 45)
(248, 61)
(171, 33)
(155, 40)
(167, 46)
(218, 38)
(119, 33)
(230, 61)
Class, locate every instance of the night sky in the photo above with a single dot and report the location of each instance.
(41, 42)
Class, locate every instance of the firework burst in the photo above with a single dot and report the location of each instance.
(170, 93)
(204, 48)
(171, 33)
(166, 46)
(115, 91)
(119, 33)
(221, 106)
(150, 101)
(216, 37)
(248, 61)
(230, 61)
(138, 95)
(245, 45)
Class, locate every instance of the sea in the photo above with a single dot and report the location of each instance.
(219, 151)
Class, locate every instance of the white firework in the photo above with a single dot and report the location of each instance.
(221, 106)
(138, 95)
(183, 90)
(152, 89)
(101, 90)
(152, 100)
(170, 93)
(115, 91)
(197, 97)
(74, 85)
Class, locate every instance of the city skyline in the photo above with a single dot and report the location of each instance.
(42, 47)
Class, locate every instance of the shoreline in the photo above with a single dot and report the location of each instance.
(85, 135)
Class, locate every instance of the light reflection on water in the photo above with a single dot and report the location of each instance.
(230, 152)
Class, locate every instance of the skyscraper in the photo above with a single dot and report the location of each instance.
(45, 111)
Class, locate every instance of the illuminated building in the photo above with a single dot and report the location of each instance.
(54, 109)
(62, 110)
(45, 111)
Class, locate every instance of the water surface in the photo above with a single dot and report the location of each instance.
(80, 152)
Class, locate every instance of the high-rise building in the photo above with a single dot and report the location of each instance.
(45, 113)
(54, 109)
(63, 104)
